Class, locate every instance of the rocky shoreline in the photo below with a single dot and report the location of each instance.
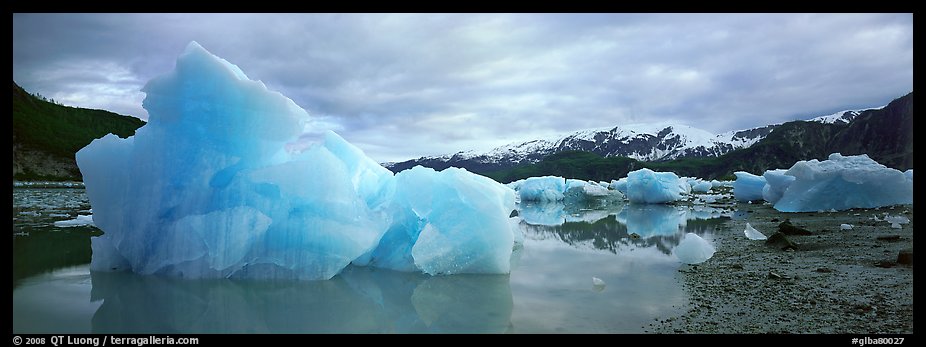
(836, 281)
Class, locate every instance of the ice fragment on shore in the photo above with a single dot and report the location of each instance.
(754, 234)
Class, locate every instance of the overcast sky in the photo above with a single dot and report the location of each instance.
(405, 86)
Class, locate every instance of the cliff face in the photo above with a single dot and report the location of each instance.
(886, 135)
(46, 135)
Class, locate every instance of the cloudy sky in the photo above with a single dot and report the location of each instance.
(404, 86)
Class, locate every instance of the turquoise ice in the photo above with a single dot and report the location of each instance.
(215, 185)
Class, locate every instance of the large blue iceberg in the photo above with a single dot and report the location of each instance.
(649, 187)
(215, 186)
(776, 183)
(844, 182)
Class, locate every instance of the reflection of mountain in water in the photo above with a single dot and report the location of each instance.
(619, 227)
(359, 300)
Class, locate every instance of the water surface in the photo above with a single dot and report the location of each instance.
(549, 290)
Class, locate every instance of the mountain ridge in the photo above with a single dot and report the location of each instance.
(884, 134)
(642, 141)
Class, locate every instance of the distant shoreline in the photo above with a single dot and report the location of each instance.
(48, 184)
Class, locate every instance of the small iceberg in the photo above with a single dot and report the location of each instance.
(81, 220)
(693, 249)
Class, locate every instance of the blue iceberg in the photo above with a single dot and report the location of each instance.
(776, 183)
(844, 182)
(545, 188)
(748, 187)
(217, 185)
(649, 187)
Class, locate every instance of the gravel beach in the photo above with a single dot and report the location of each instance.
(835, 282)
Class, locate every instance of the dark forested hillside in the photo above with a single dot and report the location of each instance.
(46, 135)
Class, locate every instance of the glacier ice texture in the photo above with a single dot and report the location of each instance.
(844, 182)
(649, 187)
(701, 186)
(553, 188)
(544, 188)
(776, 183)
(214, 187)
(748, 187)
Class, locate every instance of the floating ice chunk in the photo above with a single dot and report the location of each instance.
(683, 188)
(595, 190)
(753, 234)
(598, 284)
(647, 186)
(777, 182)
(710, 198)
(845, 226)
(844, 182)
(545, 188)
(81, 220)
(577, 190)
(693, 249)
(702, 187)
(748, 187)
(896, 225)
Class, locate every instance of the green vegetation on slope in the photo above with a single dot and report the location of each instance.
(46, 135)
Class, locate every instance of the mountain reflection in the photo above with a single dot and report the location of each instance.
(617, 227)
(359, 300)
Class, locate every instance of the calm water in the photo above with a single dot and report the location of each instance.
(550, 288)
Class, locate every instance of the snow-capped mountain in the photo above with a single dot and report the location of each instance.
(647, 142)
(841, 116)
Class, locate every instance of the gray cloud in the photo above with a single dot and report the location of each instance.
(403, 86)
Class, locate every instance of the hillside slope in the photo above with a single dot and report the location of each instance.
(46, 135)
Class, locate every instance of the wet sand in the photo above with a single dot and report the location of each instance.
(837, 282)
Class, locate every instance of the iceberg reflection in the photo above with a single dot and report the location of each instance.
(613, 228)
(359, 300)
